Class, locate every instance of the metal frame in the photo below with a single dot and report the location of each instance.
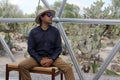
(58, 21)
(5, 46)
(107, 61)
(66, 20)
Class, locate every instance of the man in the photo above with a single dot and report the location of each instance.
(44, 47)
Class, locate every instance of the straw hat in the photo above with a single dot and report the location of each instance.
(40, 12)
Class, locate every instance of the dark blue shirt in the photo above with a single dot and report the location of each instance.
(44, 43)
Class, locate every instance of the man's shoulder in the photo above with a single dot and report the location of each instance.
(54, 28)
(35, 29)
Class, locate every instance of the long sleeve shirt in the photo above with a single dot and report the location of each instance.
(44, 43)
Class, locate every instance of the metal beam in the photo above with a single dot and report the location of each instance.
(90, 21)
(107, 61)
(16, 20)
(46, 4)
(67, 20)
(71, 53)
(5, 46)
(61, 8)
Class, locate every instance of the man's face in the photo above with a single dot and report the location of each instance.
(47, 18)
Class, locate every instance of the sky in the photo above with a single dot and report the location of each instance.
(29, 6)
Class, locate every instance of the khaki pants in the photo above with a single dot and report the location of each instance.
(29, 63)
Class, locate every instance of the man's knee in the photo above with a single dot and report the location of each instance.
(22, 65)
(68, 68)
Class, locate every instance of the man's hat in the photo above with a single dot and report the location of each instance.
(42, 11)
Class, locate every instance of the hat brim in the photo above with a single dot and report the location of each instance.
(37, 20)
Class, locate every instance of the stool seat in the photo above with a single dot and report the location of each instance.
(53, 71)
(45, 68)
(15, 65)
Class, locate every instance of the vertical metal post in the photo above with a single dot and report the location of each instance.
(7, 49)
(66, 40)
(107, 61)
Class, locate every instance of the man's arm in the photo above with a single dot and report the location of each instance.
(31, 48)
(58, 48)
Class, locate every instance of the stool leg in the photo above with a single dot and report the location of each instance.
(53, 74)
(19, 75)
(61, 76)
(7, 72)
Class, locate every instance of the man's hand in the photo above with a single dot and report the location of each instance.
(46, 62)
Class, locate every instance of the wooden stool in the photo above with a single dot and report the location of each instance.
(53, 71)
